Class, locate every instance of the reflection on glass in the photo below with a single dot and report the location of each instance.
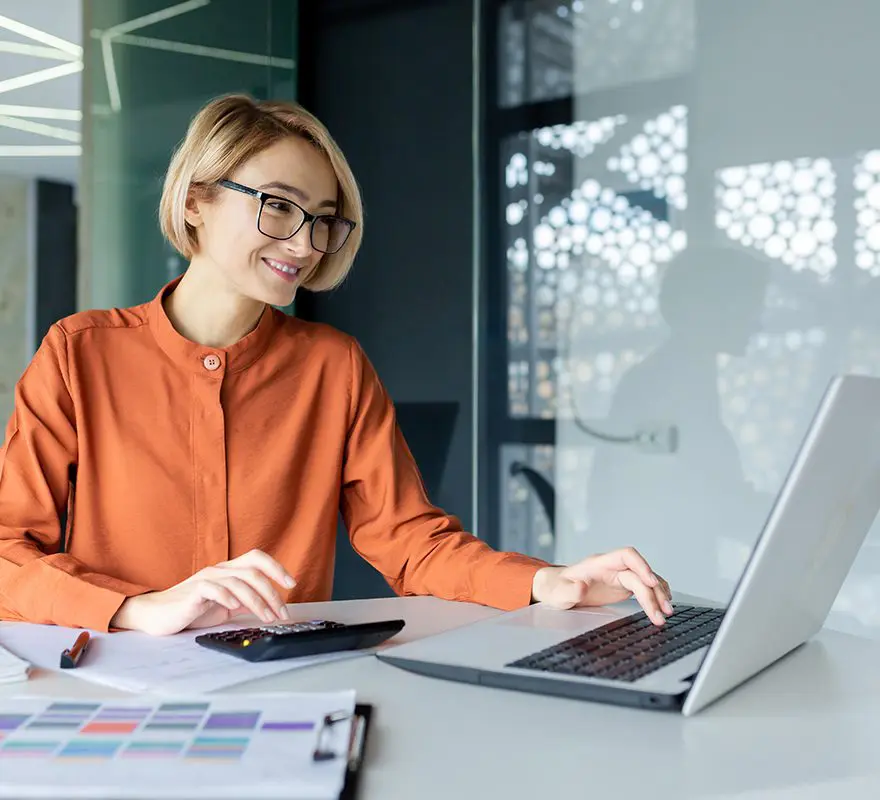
(550, 48)
(583, 256)
(525, 522)
(711, 299)
(656, 158)
(149, 66)
(762, 400)
(785, 209)
(686, 251)
(867, 206)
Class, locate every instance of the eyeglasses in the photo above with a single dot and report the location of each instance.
(281, 218)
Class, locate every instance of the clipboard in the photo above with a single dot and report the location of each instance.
(355, 750)
(336, 727)
(363, 713)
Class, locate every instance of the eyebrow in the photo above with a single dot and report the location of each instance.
(298, 193)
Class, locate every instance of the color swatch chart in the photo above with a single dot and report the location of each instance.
(200, 743)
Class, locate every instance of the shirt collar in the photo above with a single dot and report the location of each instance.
(192, 355)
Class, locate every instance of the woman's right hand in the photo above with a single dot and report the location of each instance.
(211, 597)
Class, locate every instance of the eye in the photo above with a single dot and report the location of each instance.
(280, 206)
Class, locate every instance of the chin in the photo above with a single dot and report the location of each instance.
(283, 298)
(275, 294)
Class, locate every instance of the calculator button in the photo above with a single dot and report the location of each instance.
(301, 627)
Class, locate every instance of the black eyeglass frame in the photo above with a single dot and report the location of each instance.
(308, 217)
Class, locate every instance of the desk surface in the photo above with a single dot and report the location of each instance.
(805, 728)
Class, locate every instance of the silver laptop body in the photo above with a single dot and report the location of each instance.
(812, 535)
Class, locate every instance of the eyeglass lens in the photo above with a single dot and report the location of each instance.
(279, 220)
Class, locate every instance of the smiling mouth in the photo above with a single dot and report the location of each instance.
(288, 272)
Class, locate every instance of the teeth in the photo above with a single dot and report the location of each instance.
(283, 267)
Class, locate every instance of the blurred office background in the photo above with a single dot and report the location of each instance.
(587, 222)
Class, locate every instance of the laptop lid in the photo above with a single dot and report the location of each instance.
(813, 533)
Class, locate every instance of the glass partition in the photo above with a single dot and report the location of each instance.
(688, 221)
(149, 66)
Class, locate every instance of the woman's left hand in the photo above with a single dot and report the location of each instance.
(603, 579)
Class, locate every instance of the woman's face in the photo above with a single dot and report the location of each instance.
(253, 264)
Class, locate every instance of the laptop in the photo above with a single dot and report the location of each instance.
(614, 654)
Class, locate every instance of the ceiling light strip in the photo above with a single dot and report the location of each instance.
(41, 76)
(38, 51)
(40, 112)
(24, 150)
(40, 129)
(40, 36)
(110, 73)
(151, 19)
(206, 52)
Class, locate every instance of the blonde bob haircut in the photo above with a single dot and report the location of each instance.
(225, 134)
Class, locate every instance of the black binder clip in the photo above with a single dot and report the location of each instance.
(323, 748)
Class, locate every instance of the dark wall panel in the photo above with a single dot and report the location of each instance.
(393, 82)
(56, 254)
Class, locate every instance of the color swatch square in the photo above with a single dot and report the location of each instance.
(153, 749)
(236, 720)
(123, 713)
(217, 748)
(64, 715)
(282, 726)
(90, 748)
(23, 748)
(177, 716)
(109, 727)
(9, 722)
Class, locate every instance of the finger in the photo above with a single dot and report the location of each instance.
(645, 595)
(265, 563)
(665, 586)
(249, 597)
(633, 560)
(208, 590)
(262, 584)
(257, 580)
(662, 599)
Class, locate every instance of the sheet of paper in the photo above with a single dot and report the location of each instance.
(136, 662)
(200, 746)
(12, 668)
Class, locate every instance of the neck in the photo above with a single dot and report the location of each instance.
(206, 311)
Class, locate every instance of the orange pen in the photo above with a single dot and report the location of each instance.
(70, 658)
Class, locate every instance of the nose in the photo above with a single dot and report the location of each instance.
(300, 244)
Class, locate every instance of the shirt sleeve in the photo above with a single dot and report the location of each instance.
(391, 523)
(38, 583)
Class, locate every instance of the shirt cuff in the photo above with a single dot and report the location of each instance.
(54, 597)
(508, 585)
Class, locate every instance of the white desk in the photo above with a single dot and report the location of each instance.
(806, 728)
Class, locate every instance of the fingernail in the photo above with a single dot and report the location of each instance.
(285, 614)
(289, 582)
(667, 607)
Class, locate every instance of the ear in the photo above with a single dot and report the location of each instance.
(192, 210)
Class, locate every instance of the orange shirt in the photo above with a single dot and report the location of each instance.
(182, 456)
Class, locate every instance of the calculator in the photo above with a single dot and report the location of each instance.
(297, 639)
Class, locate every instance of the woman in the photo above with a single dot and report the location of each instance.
(174, 464)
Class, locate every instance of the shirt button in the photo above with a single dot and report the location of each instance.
(211, 362)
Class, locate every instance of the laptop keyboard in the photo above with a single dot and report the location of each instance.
(628, 648)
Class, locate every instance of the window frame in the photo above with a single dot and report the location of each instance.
(496, 427)
(495, 123)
